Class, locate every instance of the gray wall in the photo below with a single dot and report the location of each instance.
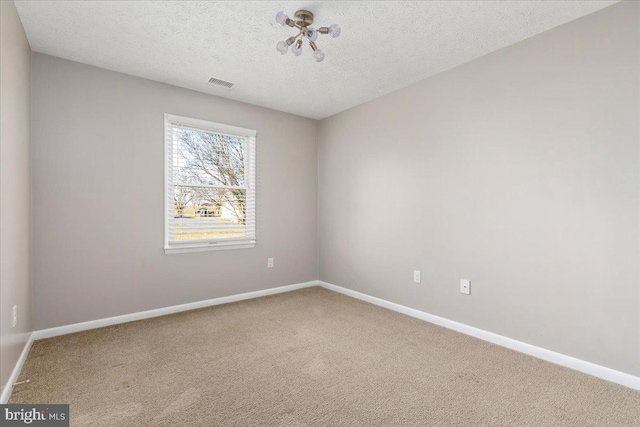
(98, 179)
(518, 171)
(15, 187)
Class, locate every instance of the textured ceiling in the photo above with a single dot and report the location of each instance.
(384, 45)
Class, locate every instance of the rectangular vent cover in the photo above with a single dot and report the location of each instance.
(223, 83)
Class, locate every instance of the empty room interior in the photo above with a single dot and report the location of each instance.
(320, 213)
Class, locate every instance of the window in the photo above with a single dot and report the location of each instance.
(210, 185)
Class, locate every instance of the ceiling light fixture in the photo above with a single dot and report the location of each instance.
(302, 20)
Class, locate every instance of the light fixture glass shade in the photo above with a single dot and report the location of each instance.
(318, 55)
(282, 18)
(282, 47)
(311, 34)
(296, 50)
(334, 30)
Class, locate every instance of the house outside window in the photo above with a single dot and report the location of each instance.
(209, 185)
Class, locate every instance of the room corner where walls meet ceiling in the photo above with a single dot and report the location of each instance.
(378, 51)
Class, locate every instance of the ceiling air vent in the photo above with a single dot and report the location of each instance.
(223, 83)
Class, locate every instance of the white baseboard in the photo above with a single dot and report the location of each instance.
(541, 353)
(100, 323)
(8, 387)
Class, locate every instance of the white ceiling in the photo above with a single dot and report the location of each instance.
(384, 45)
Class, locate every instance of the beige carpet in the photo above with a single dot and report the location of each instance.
(308, 358)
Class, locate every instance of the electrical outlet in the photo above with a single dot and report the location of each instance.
(465, 286)
(14, 316)
(269, 262)
(416, 276)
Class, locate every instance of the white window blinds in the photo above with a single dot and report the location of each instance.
(210, 185)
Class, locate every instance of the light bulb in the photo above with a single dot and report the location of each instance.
(296, 50)
(282, 47)
(282, 19)
(311, 34)
(318, 55)
(334, 30)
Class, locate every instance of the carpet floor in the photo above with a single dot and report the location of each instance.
(310, 357)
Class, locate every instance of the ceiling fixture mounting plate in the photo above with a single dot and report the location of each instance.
(303, 18)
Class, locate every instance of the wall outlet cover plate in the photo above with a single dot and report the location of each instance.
(465, 286)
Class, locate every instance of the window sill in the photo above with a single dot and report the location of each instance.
(208, 247)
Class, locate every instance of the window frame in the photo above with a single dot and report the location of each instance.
(250, 179)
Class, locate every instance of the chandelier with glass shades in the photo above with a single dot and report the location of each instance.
(302, 20)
